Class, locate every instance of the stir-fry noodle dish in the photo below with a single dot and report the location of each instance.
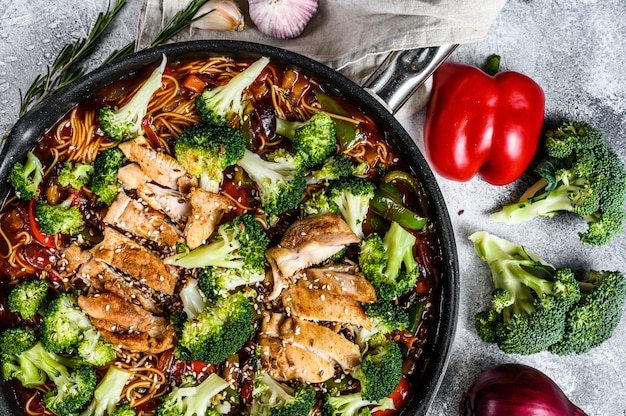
(216, 236)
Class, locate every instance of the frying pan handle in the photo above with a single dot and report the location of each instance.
(403, 72)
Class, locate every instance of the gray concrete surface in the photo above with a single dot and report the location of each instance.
(574, 49)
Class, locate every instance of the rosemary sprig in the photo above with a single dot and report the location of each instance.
(181, 20)
(62, 71)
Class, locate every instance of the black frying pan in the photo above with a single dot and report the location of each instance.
(30, 128)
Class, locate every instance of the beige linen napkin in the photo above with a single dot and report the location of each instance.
(352, 36)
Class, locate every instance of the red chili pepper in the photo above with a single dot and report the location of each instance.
(400, 398)
(151, 135)
(43, 239)
(482, 123)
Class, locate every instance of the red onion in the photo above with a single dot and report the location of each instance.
(515, 389)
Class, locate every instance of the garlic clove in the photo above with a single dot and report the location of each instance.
(282, 19)
(219, 15)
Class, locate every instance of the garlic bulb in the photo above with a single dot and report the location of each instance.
(282, 19)
(218, 15)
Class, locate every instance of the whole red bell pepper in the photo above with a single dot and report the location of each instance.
(482, 123)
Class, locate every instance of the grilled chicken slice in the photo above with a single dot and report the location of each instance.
(121, 316)
(131, 176)
(169, 201)
(285, 362)
(135, 260)
(141, 341)
(130, 215)
(101, 277)
(73, 257)
(307, 242)
(321, 305)
(207, 209)
(127, 325)
(341, 280)
(158, 166)
(312, 337)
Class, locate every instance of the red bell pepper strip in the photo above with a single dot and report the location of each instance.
(482, 123)
(151, 135)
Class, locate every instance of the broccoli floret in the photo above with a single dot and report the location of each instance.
(104, 183)
(271, 398)
(124, 123)
(63, 218)
(389, 263)
(75, 175)
(530, 301)
(594, 318)
(28, 297)
(235, 257)
(66, 327)
(195, 400)
(385, 317)
(126, 410)
(25, 178)
(571, 136)
(319, 203)
(353, 405)
(221, 329)
(314, 140)
(352, 195)
(580, 175)
(108, 394)
(335, 167)
(205, 151)
(218, 105)
(380, 370)
(13, 342)
(279, 178)
(74, 380)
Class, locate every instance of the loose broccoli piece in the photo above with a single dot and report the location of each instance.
(108, 393)
(195, 400)
(28, 297)
(380, 370)
(218, 105)
(221, 329)
(271, 398)
(62, 218)
(104, 183)
(530, 301)
(74, 380)
(13, 342)
(388, 263)
(279, 178)
(314, 140)
(352, 195)
(75, 175)
(385, 317)
(26, 177)
(580, 175)
(319, 203)
(205, 151)
(353, 404)
(66, 328)
(592, 320)
(124, 123)
(235, 257)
